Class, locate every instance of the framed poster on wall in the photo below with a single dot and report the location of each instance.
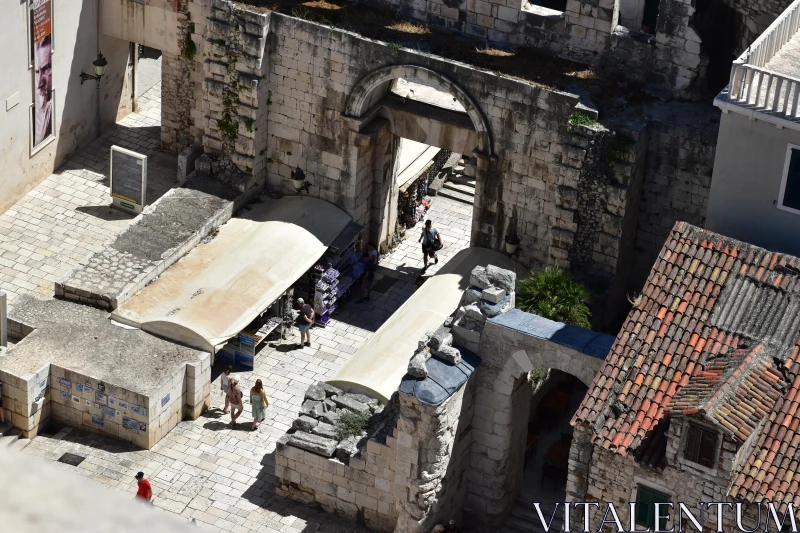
(40, 34)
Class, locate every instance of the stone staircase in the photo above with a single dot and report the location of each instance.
(524, 519)
(10, 438)
(459, 186)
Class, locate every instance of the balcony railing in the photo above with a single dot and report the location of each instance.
(752, 85)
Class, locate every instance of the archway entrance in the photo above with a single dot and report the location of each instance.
(555, 397)
(395, 111)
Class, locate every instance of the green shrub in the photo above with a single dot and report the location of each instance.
(350, 424)
(394, 47)
(552, 293)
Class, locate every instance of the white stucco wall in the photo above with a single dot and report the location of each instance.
(746, 182)
(76, 105)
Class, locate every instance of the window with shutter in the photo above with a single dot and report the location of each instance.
(645, 508)
(790, 194)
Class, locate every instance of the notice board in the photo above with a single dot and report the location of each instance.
(128, 174)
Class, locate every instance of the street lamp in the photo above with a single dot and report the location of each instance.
(299, 180)
(99, 69)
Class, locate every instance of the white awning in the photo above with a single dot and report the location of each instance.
(218, 288)
(377, 368)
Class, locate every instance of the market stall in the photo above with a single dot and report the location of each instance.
(238, 286)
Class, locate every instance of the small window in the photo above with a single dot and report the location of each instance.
(790, 187)
(701, 446)
(646, 499)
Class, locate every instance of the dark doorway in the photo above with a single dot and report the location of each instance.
(715, 23)
(650, 16)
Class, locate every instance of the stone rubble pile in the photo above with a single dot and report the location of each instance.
(491, 292)
(315, 429)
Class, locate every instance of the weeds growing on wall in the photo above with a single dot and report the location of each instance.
(552, 293)
(351, 424)
(394, 47)
(537, 375)
(581, 119)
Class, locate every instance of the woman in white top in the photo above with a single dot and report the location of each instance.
(224, 380)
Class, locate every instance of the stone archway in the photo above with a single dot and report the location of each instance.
(502, 408)
(371, 131)
(363, 97)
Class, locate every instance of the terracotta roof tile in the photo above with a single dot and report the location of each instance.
(714, 335)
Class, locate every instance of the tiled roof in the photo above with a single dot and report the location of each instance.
(714, 335)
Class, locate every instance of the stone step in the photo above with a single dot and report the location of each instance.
(461, 178)
(19, 445)
(460, 187)
(9, 437)
(457, 195)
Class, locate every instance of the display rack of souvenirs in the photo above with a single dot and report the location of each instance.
(332, 278)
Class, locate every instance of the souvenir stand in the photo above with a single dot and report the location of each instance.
(241, 350)
(329, 282)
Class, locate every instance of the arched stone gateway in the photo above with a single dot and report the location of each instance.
(374, 85)
(511, 345)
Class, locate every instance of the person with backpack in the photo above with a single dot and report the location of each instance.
(431, 241)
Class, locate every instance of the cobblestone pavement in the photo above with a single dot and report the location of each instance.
(67, 216)
(223, 477)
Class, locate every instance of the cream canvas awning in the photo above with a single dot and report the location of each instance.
(218, 288)
(377, 368)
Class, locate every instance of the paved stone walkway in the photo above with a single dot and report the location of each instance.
(223, 477)
(67, 216)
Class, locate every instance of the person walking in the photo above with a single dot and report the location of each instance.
(235, 395)
(145, 491)
(223, 385)
(304, 321)
(258, 400)
(367, 277)
(431, 241)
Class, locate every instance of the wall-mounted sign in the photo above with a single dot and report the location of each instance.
(128, 174)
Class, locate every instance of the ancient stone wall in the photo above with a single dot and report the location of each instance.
(677, 181)
(614, 478)
(360, 491)
(433, 455)
(237, 99)
(182, 91)
(754, 16)
(310, 84)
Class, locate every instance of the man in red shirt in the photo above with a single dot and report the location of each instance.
(145, 491)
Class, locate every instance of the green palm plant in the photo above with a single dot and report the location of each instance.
(553, 294)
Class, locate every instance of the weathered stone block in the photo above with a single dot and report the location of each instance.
(305, 423)
(347, 402)
(330, 390)
(312, 443)
(325, 430)
(316, 393)
(441, 337)
(417, 367)
(493, 294)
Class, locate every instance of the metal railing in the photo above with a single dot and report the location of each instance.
(755, 86)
